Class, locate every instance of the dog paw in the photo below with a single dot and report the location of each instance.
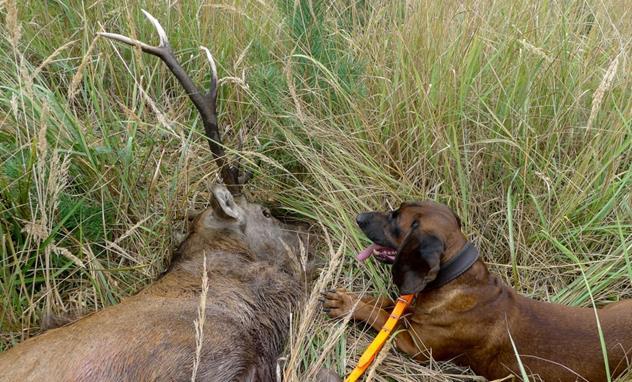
(338, 302)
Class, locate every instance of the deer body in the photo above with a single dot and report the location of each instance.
(151, 336)
(254, 283)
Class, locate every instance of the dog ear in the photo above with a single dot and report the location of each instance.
(417, 262)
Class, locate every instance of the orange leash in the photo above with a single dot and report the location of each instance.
(374, 348)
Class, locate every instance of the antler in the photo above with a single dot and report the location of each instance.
(205, 103)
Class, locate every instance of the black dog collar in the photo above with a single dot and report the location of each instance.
(455, 267)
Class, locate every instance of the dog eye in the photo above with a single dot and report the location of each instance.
(266, 213)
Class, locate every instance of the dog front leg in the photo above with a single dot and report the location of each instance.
(339, 303)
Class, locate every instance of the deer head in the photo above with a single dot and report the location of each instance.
(231, 215)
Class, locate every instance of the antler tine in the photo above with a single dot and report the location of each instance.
(130, 41)
(164, 41)
(204, 103)
(213, 91)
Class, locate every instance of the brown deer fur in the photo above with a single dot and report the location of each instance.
(254, 284)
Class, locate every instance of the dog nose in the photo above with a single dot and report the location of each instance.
(363, 219)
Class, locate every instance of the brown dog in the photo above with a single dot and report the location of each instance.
(465, 314)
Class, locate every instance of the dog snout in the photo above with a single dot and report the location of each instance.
(363, 219)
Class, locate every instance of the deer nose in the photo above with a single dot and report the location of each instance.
(363, 219)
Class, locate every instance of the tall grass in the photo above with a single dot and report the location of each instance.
(516, 114)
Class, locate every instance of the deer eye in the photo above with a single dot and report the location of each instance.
(266, 213)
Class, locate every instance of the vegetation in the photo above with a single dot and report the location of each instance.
(517, 114)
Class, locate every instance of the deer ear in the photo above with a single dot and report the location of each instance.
(224, 204)
(417, 262)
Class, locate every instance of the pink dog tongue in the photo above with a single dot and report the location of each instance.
(367, 252)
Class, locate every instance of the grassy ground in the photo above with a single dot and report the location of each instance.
(517, 114)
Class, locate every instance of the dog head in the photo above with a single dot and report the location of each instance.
(413, 237)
